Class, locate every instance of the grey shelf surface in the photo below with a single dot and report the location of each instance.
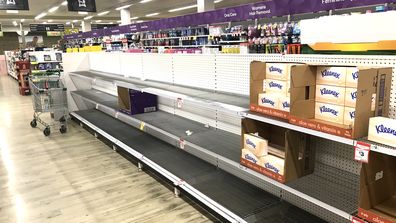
(202, 94)
(207, 138)
(340, 185)
(243, 199)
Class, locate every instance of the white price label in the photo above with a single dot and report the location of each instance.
(182, 143)
(179, 103)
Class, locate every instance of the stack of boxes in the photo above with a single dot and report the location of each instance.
(255, 149)
(336, 93)
(276, 87)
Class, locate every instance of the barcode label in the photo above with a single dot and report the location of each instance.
(150, 109)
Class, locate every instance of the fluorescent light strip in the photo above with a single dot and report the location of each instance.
(189, 7)
(152, 14)
(64, 3)
(15, 23)
(88, 17)
(133, 18)
(145, 1)
(53, 9)
(98, 21)
(39, 16)
(74, 21)
(82, 13)
(68, 23)
(183, 8)
(22, 20)
(124, 7)
(50, 20)
(12, 11)
(103, 13)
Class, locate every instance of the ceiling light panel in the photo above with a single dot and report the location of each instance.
(145, 1)
(124, 7)
(53, 9)
(64, 3)
(12, 11)
(82, 13)
(88, 17)
(152, 14)
(183, 8)
(41, 15)
(103, 13)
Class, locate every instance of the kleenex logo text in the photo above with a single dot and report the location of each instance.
(271, 167)
(324, 109)
(325, 91)
(385, 130)
(329, 73)
(286, 104)
(275, 69)
(267, 101)
(275, 85)
(250, 158)
(249, 142)
(355, 75)
(354, 95)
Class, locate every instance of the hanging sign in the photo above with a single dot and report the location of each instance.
(81, 5)
(14, 5)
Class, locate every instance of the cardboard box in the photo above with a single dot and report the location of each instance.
(330, 94)
(278, 71)
(382, 130)
(352, 77)
(329, 113)
(255, 144)
(276, 87)
(377, 198)
(349, 116)
(269, 100)
(134, 102)
(371, 81)
(284, 104)
(302, 87)
(335, 76)
(290, 155)
(350, 97)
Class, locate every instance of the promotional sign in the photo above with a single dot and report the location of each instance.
(47, 27)
(81, 5)
(362, 151)
(54, 33)
(14, 5)
(69, 31)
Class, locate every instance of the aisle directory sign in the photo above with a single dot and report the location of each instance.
(81, 5)
(14, 5)
(47, 27)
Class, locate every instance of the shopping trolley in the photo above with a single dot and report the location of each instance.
(49, 97)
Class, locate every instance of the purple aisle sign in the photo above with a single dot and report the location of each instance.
(80, 36)
(97, 33)
(132, 28)
(262, 9)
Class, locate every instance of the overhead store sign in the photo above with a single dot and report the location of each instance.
(81, 5)
(14, 5)
(47, 27)
(102, 26)
(258, 10)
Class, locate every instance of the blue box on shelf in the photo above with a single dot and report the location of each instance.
(134, 102)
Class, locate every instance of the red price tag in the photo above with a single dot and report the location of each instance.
(362, 151)
(357, 220)
(182, 143)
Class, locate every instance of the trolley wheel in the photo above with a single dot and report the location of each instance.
(63, 129)
(47, 131)
(33, 123)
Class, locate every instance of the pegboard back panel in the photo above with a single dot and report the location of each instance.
(132, 65)
(158, 67)
(232, 74)
(195, 70)
(100, 62)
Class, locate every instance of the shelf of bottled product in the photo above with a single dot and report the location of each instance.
(187, 46)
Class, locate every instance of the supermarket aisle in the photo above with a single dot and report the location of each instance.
(73, 177)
